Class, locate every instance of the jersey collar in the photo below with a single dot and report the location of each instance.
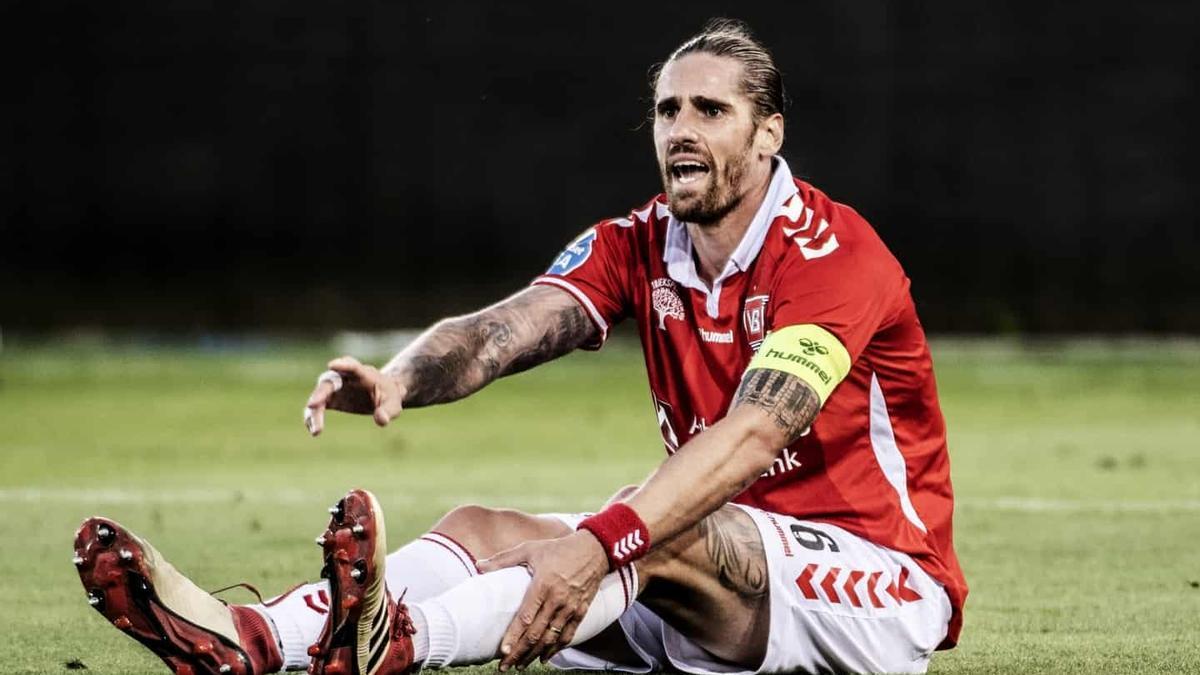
(677, 253)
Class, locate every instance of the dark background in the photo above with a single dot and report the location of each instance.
(197, 166)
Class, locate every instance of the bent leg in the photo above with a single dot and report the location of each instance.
(711, 584)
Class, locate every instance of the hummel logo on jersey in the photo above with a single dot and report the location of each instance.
(627, 544)
(665, 301)
(720, 338)
(820, 244)
(817, 245)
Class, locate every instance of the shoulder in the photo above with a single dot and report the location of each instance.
(640, 222)
(814, 234)
(616, 240)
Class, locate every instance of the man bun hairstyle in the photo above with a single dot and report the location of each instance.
(761, 80)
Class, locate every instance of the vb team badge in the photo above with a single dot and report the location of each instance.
(754, 320)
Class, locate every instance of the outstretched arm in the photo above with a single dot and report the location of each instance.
(457, 357)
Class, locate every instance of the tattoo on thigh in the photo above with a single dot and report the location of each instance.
(735, 549)
(790, 401)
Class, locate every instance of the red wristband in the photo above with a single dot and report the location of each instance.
(621, 532)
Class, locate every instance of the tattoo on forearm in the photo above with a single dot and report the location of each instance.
(790, 401)
(459, 356)
(735, 549)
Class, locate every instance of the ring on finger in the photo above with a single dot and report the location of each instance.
(554, 630)
(332, 377)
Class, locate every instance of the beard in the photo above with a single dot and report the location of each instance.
(721, 195)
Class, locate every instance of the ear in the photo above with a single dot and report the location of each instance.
(769, 137)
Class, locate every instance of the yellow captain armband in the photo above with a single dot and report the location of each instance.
(807, 351)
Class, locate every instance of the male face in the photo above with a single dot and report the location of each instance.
(705, 137)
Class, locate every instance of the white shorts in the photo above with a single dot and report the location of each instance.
(838, 603)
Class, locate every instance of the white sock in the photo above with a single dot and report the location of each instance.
(296, 618)
(464, 625)
(421, 569)
(427, 567)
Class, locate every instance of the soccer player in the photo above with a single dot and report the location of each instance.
(801, 521)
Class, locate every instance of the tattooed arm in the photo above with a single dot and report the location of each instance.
(769, 412)
(457, 357)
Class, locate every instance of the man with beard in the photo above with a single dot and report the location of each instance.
(800, 522)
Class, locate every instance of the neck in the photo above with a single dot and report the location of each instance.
(715, 243)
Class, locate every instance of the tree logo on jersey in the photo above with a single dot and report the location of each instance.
(754, 320)
(812, 347)
(665, 301)
(574, 255)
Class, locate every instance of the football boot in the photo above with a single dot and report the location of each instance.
(130, 583)
(367, 633)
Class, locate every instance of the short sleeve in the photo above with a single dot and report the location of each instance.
(849, 291)
(594, 269)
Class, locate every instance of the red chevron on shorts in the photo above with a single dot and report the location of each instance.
(897, 588)
(804, 581)
(828, 582)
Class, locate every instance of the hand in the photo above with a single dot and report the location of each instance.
(364, 391)
(566, 575)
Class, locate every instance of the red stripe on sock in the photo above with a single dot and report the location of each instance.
(624, 585)
(472, 570)
(456, 543)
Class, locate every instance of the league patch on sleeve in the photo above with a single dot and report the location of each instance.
(574, 255)
(809, 352)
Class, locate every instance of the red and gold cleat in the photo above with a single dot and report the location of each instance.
(134, 587)
(367, 633)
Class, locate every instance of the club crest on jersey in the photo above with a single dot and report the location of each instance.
(754, 320)
(665, 301)
(574, 255)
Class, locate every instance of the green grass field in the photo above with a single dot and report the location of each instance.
(1077, 468)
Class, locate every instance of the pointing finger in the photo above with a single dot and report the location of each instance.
(517, 555)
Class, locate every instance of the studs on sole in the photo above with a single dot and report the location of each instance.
(225, 668)
(78, 560)
(359, 531)
(126, 554)
(123, 623)
(320, 540)
(338, 511)
(96, 599)
(359, 573)
(105, 534)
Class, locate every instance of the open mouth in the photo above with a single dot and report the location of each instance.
(688, 171)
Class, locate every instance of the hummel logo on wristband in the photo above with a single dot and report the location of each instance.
(621, 532)
(626, 545)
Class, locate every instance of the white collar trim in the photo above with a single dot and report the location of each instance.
(677, 253)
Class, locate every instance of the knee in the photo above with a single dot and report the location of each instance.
(622, 494)
(485, 531)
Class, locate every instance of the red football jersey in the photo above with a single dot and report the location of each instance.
(875, 460)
